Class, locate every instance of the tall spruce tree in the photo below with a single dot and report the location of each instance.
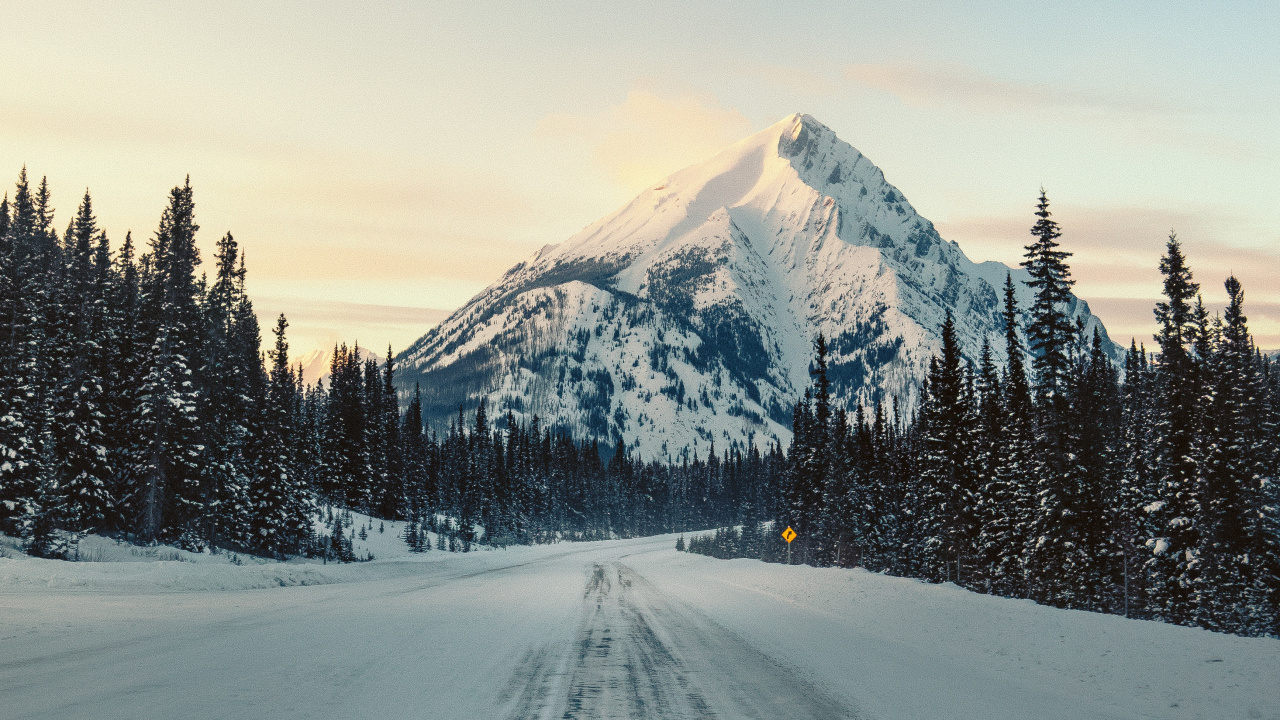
(230, 385)
(1173, 565)
(80, 474)
(949, 524)
(1050, 334)
(1011, 491)
(279, 518)
(1236, 473)
(1138, 488)
(21, 308)
(167, 455)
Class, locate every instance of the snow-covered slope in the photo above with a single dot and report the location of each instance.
(687, 317)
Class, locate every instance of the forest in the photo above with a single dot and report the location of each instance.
(135, 401)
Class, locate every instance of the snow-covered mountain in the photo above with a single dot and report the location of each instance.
(688, 316)
(315, 364)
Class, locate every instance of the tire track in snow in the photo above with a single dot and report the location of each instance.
(637, 654)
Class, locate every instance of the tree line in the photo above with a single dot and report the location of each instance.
(1150, 493)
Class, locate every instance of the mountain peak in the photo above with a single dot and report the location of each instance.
(687, 316)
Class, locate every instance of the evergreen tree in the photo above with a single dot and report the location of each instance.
(1051, 545)
(21, 309)
(167, 455)
(1236, 473)
(948, 484)
(1050, 332)
(230, 385)
(279, 521)
(1174, 562)
(1138, 487)
(80, 474)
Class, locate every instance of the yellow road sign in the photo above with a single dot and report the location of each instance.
(788, 535)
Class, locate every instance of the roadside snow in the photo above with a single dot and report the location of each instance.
(107, 565)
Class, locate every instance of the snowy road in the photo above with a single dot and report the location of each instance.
(568, 632)
(638, 654)
(623, 629)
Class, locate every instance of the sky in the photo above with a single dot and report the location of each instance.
(382, 162)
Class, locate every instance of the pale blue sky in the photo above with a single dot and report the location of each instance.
(381, 162)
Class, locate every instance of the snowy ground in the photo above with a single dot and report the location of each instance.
(625, 629)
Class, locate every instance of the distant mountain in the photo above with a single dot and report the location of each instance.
(688, 316)
(315, 364)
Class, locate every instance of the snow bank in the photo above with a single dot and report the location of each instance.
(112, 566)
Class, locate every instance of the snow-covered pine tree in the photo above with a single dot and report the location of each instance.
(991, 480)
(1173, 565)
(80, 474)
(947, 520)
(1050, 331)
(1138, 488)
(280, 504)
(22, 289)
(230, 384)
(1010, 507)
(881, 497)
(168, 454)
(346, 468)
(1236, 466)
(40, 369)
(389, 495)
(1265, 514)
(1093, 569)
(1050, 335)
(374, 458)
(413, 444)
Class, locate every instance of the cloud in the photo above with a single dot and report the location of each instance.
(650, 136)
(956, 85)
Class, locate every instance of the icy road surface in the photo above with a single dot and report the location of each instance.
(622, 629)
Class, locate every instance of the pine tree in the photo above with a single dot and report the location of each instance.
(230, 384)
(123, 358)
(390, 493)
(1138, 487)
(1174, 562)
(281, 505)
(1050, 331)
(1092, 567)
(1010, 490)
(948, 521)
(167, 455)
(1233, 489)
(22, 297)
(80, 473)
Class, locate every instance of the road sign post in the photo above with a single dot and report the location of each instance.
(788, 535)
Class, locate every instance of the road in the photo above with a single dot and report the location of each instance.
(569, 632)
(638, 654)
(619, 629)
